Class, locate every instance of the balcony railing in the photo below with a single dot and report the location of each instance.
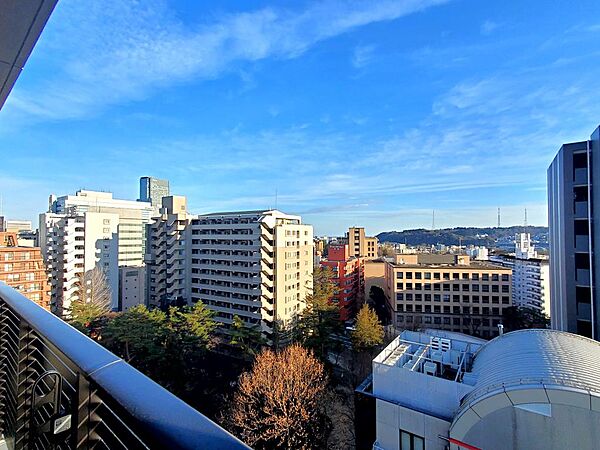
(61, 390)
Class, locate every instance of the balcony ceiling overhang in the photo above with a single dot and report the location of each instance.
(21, 23)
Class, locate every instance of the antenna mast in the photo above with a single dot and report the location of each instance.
(525, 217)
(433, 220)
(498, 217)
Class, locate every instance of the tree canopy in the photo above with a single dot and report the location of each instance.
(368, 331)
(279, 404)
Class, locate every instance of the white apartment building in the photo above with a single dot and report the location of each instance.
(74, 244)
(528, 389)
(133, 218)
(126, 222)
(531, 275)
(254, 264)
(166, 254)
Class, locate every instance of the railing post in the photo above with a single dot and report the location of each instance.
(82, 414)
(24, 383)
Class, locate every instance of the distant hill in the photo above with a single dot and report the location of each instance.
(467, 235)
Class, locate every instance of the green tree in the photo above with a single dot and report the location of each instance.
(368, 331)
(518, 318)
(319, 323)
(247, 340)
(167, 346)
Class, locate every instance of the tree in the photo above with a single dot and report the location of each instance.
(167, 346)
(279, 404)
(93, 298)
(247, 340)
(518, 318)
(320, 321)
(368, 331)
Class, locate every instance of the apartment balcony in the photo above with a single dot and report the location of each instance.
(582, 243)
(60, 389)
(581, 210)
(580, 177)
(223, 257)
(582, 277)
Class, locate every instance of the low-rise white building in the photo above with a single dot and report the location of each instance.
(529, 389)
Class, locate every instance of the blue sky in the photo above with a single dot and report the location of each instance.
(355, 113)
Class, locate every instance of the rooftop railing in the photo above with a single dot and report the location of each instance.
(61, 390)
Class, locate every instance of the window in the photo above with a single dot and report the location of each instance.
(436, 297)
(399, 297)
(495, 277)
(399, 285)
(418, 286)
(399, 275)
(409, 441)
(409, 275)
(436, 276)
(418, 275)
(465, 276)
(504, 277)
(456, 276)
(446, 275)
(428, 275)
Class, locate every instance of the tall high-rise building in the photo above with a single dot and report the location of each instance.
(22, 268)
(96, 229)
(166, 254)
(254, 264)
(75, 243)
(152, 190)
(349, 278)
(574, 227)
(360, 245)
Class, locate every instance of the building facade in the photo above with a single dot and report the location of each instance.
(439, 390)
(22, 268)
(132, 287)
(573, 224)
(254, 264)
(530, 275)
(74, 244)
(360, 245)
(166, 264)
(448, 292)
(152, 190)
(349, 278)
(91, 229)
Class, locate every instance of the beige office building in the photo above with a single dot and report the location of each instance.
(166, 253)
(448, 292)
(254, 264)
(360, 245)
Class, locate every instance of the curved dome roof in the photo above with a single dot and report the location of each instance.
(529, 357)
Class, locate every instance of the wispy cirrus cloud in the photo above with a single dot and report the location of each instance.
(488, 27)
(362, 55)
(105, 52)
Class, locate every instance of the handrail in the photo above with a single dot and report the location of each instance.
(167, 420)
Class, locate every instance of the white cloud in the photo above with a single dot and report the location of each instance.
(103, 52)
(488, 27)
(362, 55)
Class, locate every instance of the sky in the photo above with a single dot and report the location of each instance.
(367, 113)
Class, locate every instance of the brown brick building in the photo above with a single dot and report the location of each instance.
(447, 292)
(23, 269)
